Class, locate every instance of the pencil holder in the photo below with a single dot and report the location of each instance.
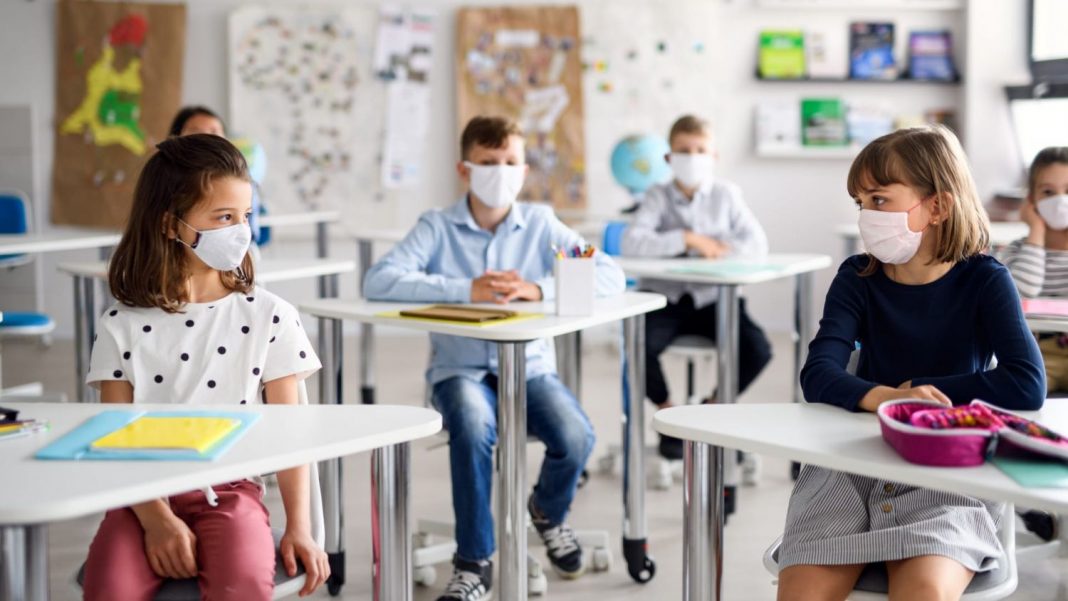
(574, 285)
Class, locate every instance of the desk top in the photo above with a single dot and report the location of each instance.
(1047, 324)
(286, 436)
(837, 439)
(379, 234)
(305, 218)
(605, 310)
(57, 239)
(765, 269)
(267, 270)
(1001, 232)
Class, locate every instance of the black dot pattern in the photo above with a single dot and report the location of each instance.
(244, 329)
(303, 355)
(250, 298)
(185, 356)
(243, 401)
(126, 355)
(158, 379)
(146, 329)
(117, 373)
(275, 319)
(222, 350)
(189, 323)
(271, 340)
(211, 383)
(113, 313)
(255, 371)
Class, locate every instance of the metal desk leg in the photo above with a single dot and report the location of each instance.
(84, 334)
(640, 564)
(24, 562)
(512, 469)
(321, 249)
(367, 333)
(702, 506)
(727, 344)
(569, 362)
(330, 392)
(391, 534)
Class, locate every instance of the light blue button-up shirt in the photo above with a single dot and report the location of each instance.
(437, 261)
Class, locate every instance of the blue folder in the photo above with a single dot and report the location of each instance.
(76, 443)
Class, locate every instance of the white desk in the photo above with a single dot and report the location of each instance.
(1042, 324)
(1002, 233)
(512, 410)
(779, 266)
(56, 240)
(286, 436)
(819, 435)
(267, 271)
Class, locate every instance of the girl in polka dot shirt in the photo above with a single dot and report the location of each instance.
(190, 327)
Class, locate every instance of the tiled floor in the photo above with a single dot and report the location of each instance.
(598, 505)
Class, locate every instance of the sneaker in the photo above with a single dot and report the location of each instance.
(561, 545)
(471, 581)
(670, 447)
(1041, 524)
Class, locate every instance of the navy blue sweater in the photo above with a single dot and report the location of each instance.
(942, 334)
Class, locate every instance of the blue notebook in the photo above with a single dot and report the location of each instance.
(75, 444)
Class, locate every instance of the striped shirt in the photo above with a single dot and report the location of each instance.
(1037, 271)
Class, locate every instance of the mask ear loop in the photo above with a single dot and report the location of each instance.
(196, 240)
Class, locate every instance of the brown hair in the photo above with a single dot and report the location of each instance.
(149, 269)
(689, 124)
(489, 132)
(1051, 155)
(929, 160)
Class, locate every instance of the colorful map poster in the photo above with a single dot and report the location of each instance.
(118, 84)
(295, 88)
(524, 63)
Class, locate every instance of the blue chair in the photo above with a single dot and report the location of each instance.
(14, 219)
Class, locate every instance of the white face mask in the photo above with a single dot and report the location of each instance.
(223, 248)
(1054, 210)
(887, 236)
(691, 170)
(497, 186)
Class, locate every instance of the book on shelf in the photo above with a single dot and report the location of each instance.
(826, 53)
(931, 56)
(778, 126)
(781, 54)
(871, 51)
(865, 122)
(823, 122)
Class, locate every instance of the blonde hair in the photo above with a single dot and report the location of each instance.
(689, 124)
(929, 160)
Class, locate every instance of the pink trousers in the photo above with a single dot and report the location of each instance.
(234, 549)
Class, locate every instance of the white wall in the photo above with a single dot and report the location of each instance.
(798, 201)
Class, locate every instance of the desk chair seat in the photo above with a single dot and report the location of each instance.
(873, 584)
(14, 219)
(25, 324)
(187, 589)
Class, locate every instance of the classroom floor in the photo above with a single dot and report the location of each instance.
(758, 521)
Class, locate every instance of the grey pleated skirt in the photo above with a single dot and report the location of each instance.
(835, 518)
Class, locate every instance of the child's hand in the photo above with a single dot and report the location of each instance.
(502, 287)
(881, 394)
(709, 248)
(1030, 216)
(299, 544)
(171, 548)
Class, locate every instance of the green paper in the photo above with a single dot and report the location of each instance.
(1034, 474)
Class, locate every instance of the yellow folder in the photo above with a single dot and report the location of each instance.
(168, 433)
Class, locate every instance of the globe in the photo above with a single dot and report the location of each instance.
(254, 156)
(638, 162)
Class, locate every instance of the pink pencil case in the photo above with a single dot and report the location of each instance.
(928, 433)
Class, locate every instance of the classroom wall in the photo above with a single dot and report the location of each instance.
(798, 200)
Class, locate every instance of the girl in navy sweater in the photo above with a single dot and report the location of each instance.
(929, 310)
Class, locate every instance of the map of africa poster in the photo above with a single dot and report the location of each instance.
(118, 84)
(524, 63)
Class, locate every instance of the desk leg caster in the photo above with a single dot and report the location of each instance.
(337, 573)
(795, 470)
(367, 395)
(640, 565)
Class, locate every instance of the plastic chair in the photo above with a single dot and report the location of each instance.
(187, 589)
(434, 542)
(873, 585)
(14, 219)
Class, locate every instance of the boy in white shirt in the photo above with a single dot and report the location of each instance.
(695, 215)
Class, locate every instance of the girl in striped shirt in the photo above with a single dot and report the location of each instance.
(1039, 262)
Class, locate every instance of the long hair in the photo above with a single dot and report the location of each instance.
(929, 160)
(149, 269)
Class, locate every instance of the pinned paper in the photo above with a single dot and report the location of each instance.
(519, 38)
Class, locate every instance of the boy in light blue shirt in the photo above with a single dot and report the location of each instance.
(488, 248)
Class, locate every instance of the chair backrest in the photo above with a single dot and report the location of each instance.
(14, 212)
(612, 243)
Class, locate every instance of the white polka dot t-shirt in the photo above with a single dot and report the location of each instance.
(211, 353)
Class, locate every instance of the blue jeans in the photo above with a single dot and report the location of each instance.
(469, 412)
